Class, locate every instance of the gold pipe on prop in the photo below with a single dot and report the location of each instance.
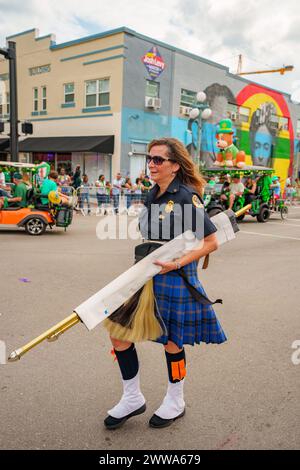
(53, 333)
(243, 210)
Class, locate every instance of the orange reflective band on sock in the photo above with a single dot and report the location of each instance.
(178, 370)
(112, 352)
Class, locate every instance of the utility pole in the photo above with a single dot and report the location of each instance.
(10, 54)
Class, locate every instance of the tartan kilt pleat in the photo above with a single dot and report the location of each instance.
(187, 320)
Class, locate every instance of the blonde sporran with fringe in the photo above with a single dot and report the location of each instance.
(141, 323)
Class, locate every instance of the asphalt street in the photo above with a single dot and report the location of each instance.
(243, 394)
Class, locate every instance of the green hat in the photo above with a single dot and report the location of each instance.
(225, 127)
(17, 176)
(275, 178)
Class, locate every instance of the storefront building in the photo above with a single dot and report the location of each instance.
(99, 100)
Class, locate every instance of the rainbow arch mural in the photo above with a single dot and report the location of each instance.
(261, 102)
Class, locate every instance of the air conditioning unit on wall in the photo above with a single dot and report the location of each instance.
(185, 110)
(154, 103)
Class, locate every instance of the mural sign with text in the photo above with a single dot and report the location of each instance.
(153, 62)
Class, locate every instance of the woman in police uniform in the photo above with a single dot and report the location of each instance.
(173, 205)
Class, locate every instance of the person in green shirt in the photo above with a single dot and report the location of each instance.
(49, 184)
(18, 198)
(263, 187)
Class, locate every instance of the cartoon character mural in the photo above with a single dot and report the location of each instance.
(217, 97)
(229, 155)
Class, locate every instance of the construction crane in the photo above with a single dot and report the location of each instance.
(282, 70)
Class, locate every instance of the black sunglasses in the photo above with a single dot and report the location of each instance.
(157, 160)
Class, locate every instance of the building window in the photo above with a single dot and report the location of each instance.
(44, 98)
(283, 123)
(244, 114)
(152, 89)
(1, 105)
(279, 123)
(35, 100)
(69, 92)
(237, 113)
(232, 111)
(97, 93)
(188, 98)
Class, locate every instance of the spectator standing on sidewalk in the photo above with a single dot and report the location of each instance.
(64, 180)
(102, 197)
(138, 190)
(84, 194)
(77, 178)
(289, 191)
(146, 183)
(116, 191)
(128, 191)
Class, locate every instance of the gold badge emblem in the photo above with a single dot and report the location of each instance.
(169, 207)
(196, 201)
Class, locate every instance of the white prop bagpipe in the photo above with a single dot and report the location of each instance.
(121, 291)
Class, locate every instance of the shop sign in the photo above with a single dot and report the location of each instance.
(153, 62)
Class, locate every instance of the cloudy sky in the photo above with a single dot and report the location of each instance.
(265, 32)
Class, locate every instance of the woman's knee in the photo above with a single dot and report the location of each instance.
(120, 345)
(172, 348)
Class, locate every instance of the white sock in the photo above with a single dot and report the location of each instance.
(173, 403)
(132, 398)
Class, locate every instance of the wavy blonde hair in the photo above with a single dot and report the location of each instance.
(188, 173)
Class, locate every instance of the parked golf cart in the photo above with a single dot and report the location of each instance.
(261, 202)
(36, 216)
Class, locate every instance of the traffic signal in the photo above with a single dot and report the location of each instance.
(27, 128)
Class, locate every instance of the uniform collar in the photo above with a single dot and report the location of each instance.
(172, 188)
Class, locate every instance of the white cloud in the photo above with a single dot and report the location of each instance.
(265, 32)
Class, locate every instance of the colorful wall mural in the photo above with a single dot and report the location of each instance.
(265, 131)
(269, 137)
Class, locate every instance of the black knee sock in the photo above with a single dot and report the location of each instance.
(176, 366)
(128, 362)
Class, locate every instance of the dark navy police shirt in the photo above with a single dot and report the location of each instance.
(178, 209)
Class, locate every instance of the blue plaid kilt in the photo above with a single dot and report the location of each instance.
(186, 320)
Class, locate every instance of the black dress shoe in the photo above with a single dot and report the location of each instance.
(113, 423)
(157, 422)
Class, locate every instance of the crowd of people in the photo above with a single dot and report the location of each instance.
(234, 187)
(105, 191)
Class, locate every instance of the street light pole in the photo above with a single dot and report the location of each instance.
(10, 54)
(200, 111)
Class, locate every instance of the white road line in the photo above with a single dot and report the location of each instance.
(269, 235)
(282, 224)
(289, 218)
